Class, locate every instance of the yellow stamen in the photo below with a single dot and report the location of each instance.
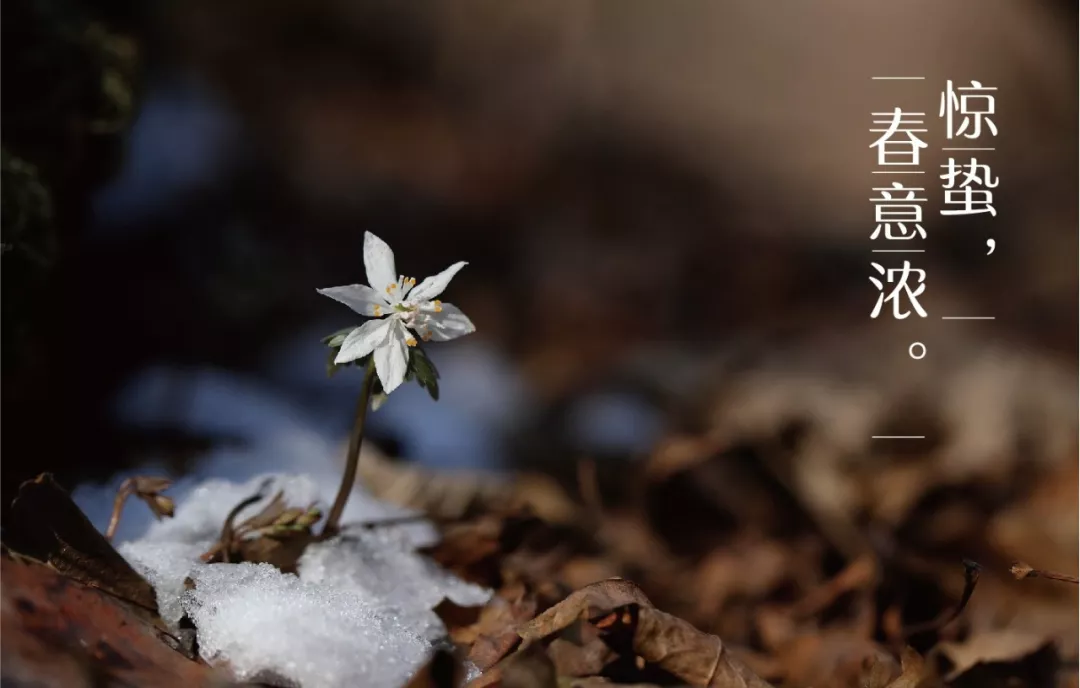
(426, 336)
(438, 306)
(391, 287)
(411, 281)
(378, 311)
(410, 341)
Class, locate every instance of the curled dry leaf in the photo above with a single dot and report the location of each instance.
(668, 642)
(527, 668)
(589, 602)
(580, 651)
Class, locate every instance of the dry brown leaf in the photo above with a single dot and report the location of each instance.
(679, 453)
(580, 652)
(494, 632)
(666, 641)
(59, 632)
(588, 602)
(582, 571)
(283, 553)
(861, 573)
(526, 668)
(276, 535)
(600, 682)
(748, 569)
(461, 622)
(46, 525)
(481, 549)
(989, 646)
(443, 670)
(453, 495)
(915, 673)
(832, 658)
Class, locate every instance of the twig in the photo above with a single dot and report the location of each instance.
(118, 506)
(971, 577)
(398, 521)
(1020, 571)
(352, 459)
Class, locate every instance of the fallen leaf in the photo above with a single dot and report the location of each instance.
(494, 633)
(46, 525)
(59, 632)
(472, 549)
(587, 602)
(526, 668)
(915, 672)
(283, 553)
(580, 651)
(699, 659)
(989, 647)
(443, 670)
(832, 658)
(860, 574)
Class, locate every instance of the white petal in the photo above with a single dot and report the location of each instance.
(448, 323)
(363, 340)
(379, 263)
(392, 357)
(434, 285)
(359, 297)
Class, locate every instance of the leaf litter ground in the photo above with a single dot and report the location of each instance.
(703, 567)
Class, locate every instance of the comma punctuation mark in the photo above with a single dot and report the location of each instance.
(992, 244)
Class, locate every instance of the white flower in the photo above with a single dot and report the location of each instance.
(401, 307)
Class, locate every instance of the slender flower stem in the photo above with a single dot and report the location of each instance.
(352, 459)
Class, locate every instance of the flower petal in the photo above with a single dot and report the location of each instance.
(359, 297)
(379, 263)
(363, 340)
(434, 285)
(446, 324)
(392, 357)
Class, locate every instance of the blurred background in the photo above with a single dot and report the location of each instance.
(665, 211)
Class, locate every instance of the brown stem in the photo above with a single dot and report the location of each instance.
(1020, 571)
(118, 505)
(971, 577)
(352, 459)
